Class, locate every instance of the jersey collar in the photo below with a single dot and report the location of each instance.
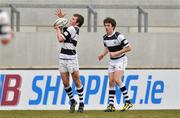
(111, 34)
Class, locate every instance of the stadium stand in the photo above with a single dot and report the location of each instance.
(163, 14)
(39, 48)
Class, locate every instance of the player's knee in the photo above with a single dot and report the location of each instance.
(66, 83)
(118, 81)
(111, 83)
(77, 81)
(75, 76)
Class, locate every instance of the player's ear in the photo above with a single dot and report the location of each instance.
(113, 27)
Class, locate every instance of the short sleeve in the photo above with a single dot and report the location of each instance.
(124, 42)
(104, 41)
(105, 45)
(70, 32)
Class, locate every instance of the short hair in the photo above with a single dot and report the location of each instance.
(80, 19)
(111, 21)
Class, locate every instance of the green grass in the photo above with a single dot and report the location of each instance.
(90, 114)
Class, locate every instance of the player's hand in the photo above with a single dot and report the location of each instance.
(100, 57)
(57, 28)
(59, 13)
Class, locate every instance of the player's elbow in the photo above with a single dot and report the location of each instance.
(129, 48)
(60, 39)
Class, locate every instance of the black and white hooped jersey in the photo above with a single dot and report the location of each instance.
(5, 28)
(68, 50)
(115, 42)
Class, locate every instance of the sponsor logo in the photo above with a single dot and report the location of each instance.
(96, 85)
(9, 89)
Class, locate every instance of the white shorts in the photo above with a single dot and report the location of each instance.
(68, 65)
(118, 64)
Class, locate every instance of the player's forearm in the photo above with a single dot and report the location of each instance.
(59, 35)
(101, 56)
(124, 50)
(105, 52)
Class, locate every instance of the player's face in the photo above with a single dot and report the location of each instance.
(109, 28)
(73, 21)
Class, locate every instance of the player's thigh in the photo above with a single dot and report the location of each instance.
(75, 75)
(76, 79)
(73, 66)
(63, 66)
(111, 67)
(121, 64)
(120, 67)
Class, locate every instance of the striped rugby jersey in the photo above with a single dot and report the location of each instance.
(68, 50)
(115, 42)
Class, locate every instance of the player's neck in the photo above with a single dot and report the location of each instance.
(110, 33)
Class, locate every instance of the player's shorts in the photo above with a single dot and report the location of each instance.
(68, 65)
(118, 64)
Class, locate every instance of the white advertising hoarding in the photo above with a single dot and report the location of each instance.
(43, 89)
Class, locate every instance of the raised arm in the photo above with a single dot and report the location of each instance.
(59, 35)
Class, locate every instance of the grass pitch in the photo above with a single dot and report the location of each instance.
(90, 114)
